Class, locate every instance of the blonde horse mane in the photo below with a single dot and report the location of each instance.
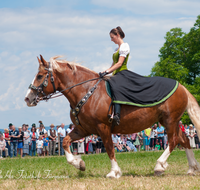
(54, 62)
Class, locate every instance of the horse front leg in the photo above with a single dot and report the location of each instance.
(105, 134)
(76, 161)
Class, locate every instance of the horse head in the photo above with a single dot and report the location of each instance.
(43, 84)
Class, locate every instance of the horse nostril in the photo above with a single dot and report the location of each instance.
(26, 100)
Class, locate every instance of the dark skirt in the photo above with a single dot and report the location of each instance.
(75, 145)
(99, 144)
(130, 88)
(196, 140)
(90, 148)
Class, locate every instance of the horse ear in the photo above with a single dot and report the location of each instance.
(43, 61)
(69, 66)
(39, 61)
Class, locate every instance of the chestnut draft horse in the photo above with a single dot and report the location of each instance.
(68, 78)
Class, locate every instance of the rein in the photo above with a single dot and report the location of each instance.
(53, 95)
(39, 89)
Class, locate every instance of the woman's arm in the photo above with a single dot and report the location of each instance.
(116, 65)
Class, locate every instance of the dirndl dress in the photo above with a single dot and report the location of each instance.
(90, 148)
(26, 143)
(81, 147)
(137, 142)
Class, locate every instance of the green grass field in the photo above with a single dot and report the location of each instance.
(137, 169)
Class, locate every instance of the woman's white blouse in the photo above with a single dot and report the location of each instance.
(124, 50)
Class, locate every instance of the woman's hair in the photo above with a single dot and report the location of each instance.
(33, 129)
(41, 125)
(70, 126)
(119, 31)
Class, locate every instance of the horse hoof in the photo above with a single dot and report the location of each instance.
(114, 174)
(158, 173)
(82, 165)
(191, 174)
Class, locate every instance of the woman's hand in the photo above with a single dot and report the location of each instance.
(102, 74)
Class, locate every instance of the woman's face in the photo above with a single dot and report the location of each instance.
(114, 38)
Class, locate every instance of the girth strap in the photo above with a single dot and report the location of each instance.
(78, 107)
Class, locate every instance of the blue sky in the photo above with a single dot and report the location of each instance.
(79, 30)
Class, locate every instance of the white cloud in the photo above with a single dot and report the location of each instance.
(153, 7)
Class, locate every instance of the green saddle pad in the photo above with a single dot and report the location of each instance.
(108, 90)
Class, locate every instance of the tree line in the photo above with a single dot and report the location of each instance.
(180, 60)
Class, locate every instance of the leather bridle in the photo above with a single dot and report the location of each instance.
(39, 89)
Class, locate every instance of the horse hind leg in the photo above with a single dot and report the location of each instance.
(193, 164)
(193, 110)
(76, 161)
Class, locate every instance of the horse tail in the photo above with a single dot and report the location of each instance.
(193, 110)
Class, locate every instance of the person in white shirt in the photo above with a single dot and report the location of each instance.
(3, 147)
(115, 140)
(62, 133)
(70, 128)
(119, 65)
(155, 134)
(39, 145)
(151, 145)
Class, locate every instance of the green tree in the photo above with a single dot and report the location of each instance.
(191, 43)
(180, 60)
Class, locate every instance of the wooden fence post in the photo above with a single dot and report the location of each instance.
(58, 144)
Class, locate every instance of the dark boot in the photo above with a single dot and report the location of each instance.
(117, 110)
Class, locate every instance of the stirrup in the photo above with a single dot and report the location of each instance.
(110, 118)
(116, 119)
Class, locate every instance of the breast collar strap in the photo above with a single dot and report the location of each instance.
(78, 107)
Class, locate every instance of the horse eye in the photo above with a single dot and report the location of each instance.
(39, 77)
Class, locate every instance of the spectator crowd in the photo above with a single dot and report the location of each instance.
(25, 141)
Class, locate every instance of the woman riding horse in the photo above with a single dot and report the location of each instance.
(120, 59)
(128, 87)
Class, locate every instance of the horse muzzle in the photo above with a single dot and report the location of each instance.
(30, 103)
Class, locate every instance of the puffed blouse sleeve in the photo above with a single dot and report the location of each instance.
(124, 50)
